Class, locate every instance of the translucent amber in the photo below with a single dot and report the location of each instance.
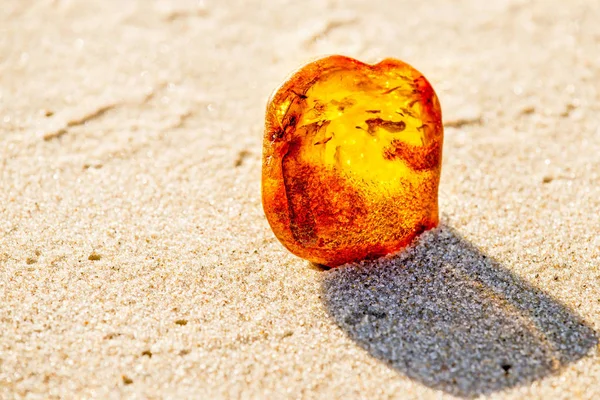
(351, 159)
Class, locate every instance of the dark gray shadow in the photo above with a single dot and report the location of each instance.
(448, 316)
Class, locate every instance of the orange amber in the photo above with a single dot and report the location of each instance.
(351, 159)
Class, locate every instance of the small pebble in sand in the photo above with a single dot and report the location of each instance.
(147, 353)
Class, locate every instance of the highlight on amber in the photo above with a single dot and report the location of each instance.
(351, 159)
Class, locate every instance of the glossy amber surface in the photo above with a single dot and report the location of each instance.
(351, 159)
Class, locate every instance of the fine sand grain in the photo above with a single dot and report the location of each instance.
(135, 259)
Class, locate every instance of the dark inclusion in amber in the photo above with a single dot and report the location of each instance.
(351, 159)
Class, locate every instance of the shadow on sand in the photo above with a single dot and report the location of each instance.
(448, 316)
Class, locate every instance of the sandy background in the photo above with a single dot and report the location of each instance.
(135, 259)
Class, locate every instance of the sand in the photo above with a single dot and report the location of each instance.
(136, 261)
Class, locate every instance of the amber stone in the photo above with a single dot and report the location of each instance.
(351, 159)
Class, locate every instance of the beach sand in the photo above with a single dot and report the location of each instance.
(135, 258)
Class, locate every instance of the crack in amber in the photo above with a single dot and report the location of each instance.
(351, 159)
